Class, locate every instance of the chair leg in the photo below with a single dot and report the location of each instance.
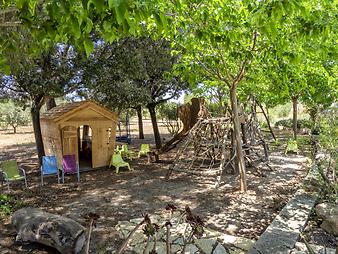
(117, 170)
(41, 179)
(78, 175)
(58, 175)
(63, 177)
(26, 182)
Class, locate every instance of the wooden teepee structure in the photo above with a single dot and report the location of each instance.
(208, 149)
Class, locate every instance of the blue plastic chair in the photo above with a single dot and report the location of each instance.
(49, 167)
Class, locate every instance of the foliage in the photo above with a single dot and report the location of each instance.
(301, 123)
(131, 72)
(329, 130)
(168, 113)
(216, 95)
(8, 204)
(13, 115)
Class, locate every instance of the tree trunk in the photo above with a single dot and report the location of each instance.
(267, 119)
(157, 135)
(294, 125)
(237, 126)
(61, 233)
(140, 122)
(14, 129)
(50, 103)
(35, 113)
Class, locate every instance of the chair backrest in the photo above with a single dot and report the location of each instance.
(145, 148)
(49, 164)
(69, 163)
(125, 148)
(117, 158)
(10, 168)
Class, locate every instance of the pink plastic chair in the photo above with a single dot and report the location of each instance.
(69, 166)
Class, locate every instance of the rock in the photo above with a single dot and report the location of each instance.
(206, 245)
(219, 249)
(61, 233)
(329, 214)
(191, 249)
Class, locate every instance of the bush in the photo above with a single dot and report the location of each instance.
(301, 123)
(8, 204)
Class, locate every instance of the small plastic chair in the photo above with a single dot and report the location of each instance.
(126, 153)
(11, 172)
(49, 167)
(291, 146)
(117, 162)
(70, 166)
(144, 151)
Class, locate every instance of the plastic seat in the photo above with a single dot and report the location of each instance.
(118, 162)
(70, 166)
(49, 167)
(144, 151)
(126, 153)
(11, 172)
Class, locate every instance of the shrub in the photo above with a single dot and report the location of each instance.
(8, 204)
(301, 123)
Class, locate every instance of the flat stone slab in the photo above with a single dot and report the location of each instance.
(283, 233)
(300, 248)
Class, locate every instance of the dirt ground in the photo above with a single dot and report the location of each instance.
(130, 194)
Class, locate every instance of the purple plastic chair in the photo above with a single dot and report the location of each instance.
(69, 166)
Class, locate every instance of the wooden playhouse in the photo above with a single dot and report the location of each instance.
(84, 128)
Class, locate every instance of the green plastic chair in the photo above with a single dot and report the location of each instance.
(144, 151)
(11, 172)
(117, 149)
(291, 146)
(117, 162)
(126, 153)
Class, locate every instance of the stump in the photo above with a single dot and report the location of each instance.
(61, 233)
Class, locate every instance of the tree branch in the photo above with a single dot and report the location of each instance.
(245, 62)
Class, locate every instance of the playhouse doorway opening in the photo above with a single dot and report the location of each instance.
(85, 147)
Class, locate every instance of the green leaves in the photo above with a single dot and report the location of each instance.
(89, 46)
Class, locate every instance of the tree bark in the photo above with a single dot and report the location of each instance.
(35, 113)
(61, 233)
(267, 120)
(295, 113)
(158, 142)
(239, 151)
(50, 103)
(140, 122)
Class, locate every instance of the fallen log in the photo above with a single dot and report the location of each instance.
(61, 233)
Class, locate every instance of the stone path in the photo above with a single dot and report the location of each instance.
(283, 233)
(212, 242)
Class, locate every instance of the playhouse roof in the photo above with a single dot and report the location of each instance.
(64, 111)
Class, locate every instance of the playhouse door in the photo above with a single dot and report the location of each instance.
(100, 147)
(69, 140)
